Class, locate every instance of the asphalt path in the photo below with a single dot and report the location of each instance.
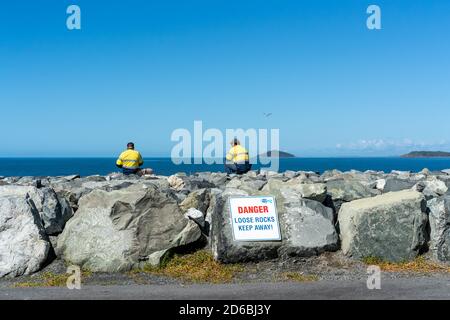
(407, 288)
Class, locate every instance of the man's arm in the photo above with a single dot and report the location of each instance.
(141, 161)
(229, 155)
(119, 162)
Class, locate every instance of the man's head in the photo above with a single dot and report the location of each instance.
(235, 142)
(130, 145)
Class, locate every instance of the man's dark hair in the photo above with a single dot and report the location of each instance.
(130, 145)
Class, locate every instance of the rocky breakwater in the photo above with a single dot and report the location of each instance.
(116, 222)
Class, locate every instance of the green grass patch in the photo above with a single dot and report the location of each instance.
(198, 267)
(419, 264)
(299, 277)
(50, 279)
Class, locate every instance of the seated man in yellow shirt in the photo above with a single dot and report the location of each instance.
(238, 156)
(130, 161)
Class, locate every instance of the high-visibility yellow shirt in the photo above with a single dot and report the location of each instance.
(130, 159)
(237, 154)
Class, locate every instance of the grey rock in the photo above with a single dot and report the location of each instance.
(192, 183)
(52, 209)
(218, 179)
(439, 217)
(340, 191)
(157, 258)
(198, 199)
(160, 183)
(391, 226)
(395, 184)
(176, 182)
(313, 191)
(94, 178)
(291, 174)
(214, 193)
(401, 174)
(11, 180)
(224, 248)
(28, 181)
(418, 177)
(253, 185)
(234, 183)
(247, 184)
(330, 174)
(435, 186)
(53, 241)
(380, 184)
(419, 187)
(72, 177)
(252, 174)
(24, 247)
(306, 228)
(348, 190)
(55, 211)
(270, 173)
(75, 189)
(197, 216)
(115, 231)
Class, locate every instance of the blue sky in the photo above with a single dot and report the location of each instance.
(140, 69)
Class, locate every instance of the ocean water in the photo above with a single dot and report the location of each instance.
(165, 166)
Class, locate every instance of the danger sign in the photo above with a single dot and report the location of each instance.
(254, 219)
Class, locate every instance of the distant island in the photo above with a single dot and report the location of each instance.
(426, 154)
(281, 154)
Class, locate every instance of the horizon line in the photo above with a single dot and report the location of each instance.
(168, 157)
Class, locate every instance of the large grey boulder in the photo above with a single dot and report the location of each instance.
(224, 248)
(218, 179)
(340, 191)
(401, 174)
(21, 191)
(197, 216)
(312, 191)
(331, 174)
(193, 183)
(291, 174)
(390, 226)
(439, 217)
(198, 199)
(395, 184)
(115, 231)
(24, 246)
(306, 229)
(54, 211)
(435, 186)
(247, 184)
(73, 190)
(348, 190)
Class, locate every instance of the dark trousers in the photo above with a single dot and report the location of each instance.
(238, 168)
(127, 171)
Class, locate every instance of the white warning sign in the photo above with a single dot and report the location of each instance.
(254, 218)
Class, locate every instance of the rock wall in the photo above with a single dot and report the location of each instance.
(117, 222)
